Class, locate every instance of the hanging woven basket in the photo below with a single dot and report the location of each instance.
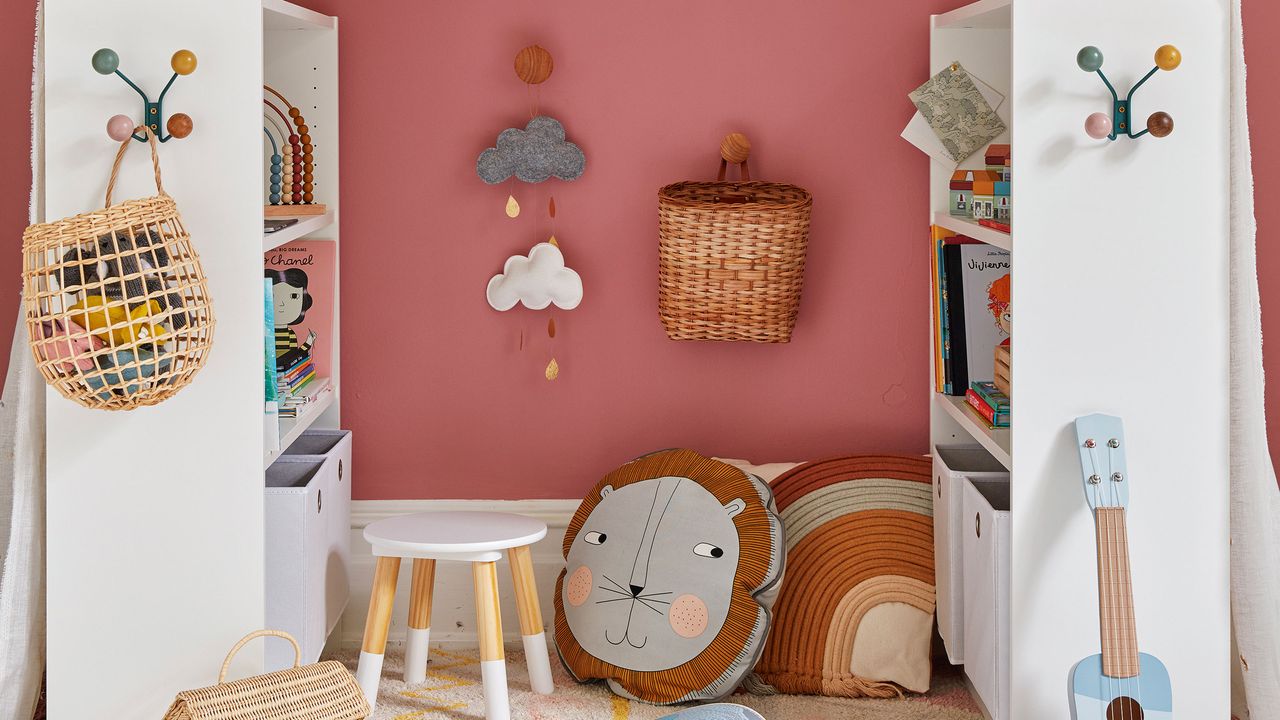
(731, 255)
(117, 310)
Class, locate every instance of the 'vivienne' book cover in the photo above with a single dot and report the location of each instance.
(302, 277)
(987, 318)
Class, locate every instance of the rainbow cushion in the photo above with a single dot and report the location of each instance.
(855, 615)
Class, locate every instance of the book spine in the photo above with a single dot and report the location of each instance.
(954, 287)
(976, 402)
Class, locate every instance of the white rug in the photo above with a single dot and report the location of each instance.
(453, 692)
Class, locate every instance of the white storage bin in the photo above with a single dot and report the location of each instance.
(306, 577)
(334, 445)
(951, 464)
(986, 592)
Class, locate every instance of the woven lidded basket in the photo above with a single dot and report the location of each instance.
(323, 691)
(731, 255)
(117, 310)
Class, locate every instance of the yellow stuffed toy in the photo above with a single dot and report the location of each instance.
(105, 322)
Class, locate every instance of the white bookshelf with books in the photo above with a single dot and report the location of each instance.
(1120, 298)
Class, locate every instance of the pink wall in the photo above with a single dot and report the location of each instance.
(443, 402)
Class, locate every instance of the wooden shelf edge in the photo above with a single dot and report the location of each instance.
(303, 227)
(997, 441)
(292, 428)
(969, 228)
(983, 14)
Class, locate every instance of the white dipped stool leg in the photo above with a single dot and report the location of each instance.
(381, 599)
(535, 640)
(418, 643)
(493, 664)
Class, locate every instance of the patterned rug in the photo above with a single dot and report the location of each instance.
(453, 692)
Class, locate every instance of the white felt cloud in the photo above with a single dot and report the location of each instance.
(536, 281)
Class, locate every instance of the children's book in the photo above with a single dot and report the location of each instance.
(270, 405)
(979, 319)
(302, 275)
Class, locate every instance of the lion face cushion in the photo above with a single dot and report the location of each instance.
(672, 563)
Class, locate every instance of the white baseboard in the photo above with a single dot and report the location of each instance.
(453, 604)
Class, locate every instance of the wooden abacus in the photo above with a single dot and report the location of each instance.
(293, 185)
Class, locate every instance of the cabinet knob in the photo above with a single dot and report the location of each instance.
(319, 500)
(339, 469)
(977, 524)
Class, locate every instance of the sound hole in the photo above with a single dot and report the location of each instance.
(1124, 708)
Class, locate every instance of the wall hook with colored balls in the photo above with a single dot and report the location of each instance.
(1099, 125)
(121, 127)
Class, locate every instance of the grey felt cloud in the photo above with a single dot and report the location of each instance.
(533, 154)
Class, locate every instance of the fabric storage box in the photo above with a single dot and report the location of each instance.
(334, 445)
(951, 464)
(306, 583)
(986, 592)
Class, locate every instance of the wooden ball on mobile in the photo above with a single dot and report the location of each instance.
(735, 148)
(534, 64)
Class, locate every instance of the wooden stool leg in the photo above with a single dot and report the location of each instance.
(383, 596)
(493, 665)
(535, 640)
(419, 640)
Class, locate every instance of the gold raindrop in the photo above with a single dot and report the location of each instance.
(551, 327)
(553, 369)
(513, 207)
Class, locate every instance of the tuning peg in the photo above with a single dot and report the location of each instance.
(105, 61)
(1089, 58)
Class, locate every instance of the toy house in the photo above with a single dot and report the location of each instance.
(961, 193)
(1003, 206)
(984, 194)
(997, 160)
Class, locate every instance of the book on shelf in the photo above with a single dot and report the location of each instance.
(990, 403)
(302, 275)
(975, 280)
(270, 405)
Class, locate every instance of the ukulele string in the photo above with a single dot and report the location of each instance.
(1133, 621)
(1117, 639)
(1103, 565)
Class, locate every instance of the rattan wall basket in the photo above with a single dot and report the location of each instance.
(322, 691)
(117, 310)
(731, 255)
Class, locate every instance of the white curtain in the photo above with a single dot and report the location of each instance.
(1255, 500)
(22, 618)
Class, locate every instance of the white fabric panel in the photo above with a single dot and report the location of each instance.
(1255, 501)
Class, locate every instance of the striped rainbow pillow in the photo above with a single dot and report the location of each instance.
(855, 615)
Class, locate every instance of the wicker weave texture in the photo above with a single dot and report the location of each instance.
(116, 305)
(323, 691)
(731, 259)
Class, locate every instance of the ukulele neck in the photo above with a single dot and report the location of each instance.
(1115, 595)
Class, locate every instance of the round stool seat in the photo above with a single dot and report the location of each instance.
(452, 535)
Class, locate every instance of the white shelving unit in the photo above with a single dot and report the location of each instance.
(156, 570)
(300, 59)
(1101, 244)
(965, 226)
(303, 228)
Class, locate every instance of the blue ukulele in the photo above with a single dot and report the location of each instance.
(1120, 683)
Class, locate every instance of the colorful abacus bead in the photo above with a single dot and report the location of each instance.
(286, 174)
(275, 179)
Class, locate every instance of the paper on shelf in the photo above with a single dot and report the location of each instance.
(919, 133)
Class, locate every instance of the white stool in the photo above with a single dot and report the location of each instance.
(474, 537)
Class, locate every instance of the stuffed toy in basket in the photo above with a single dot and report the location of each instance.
(117, 309)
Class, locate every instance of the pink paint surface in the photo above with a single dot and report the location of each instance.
(445, 405)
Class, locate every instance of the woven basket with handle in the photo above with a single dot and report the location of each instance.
(323, 691)
(117, 310)
(731, 255)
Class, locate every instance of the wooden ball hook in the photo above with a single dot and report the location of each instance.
(534, 64)
(735, 148)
